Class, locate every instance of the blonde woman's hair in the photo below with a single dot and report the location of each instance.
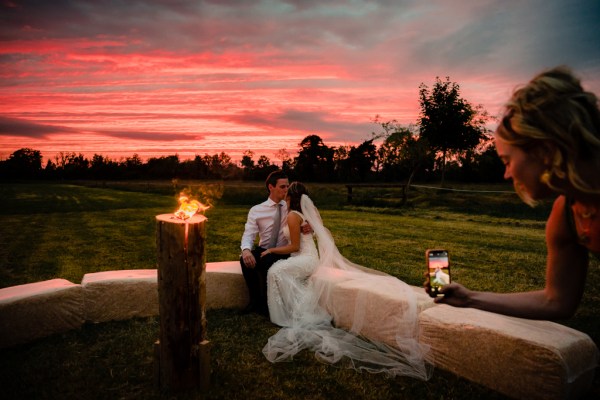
(554, 109)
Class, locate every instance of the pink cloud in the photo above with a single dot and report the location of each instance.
(205, 75)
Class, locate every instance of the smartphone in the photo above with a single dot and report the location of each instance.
(438, 267)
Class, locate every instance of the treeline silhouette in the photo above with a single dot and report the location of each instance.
(314, 162)
(449, 141)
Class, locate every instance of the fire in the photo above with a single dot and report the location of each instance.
(188, 208)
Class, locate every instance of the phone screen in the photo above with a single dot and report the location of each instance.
(438, 264)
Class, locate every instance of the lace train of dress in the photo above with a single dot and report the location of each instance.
(287, 279)
(308, 325)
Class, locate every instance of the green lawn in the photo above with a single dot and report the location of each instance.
(59, 230)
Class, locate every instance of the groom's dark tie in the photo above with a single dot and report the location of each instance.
(276, 226)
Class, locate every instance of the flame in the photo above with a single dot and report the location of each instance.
(188, 208)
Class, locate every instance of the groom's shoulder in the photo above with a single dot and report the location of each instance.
(262, 205)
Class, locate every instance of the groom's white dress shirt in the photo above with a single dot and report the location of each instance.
(260, 222)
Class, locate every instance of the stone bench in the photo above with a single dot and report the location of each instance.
(119, 295)
(225, 285)
(125, 294)
(386, 304)
(40, 309)
(36, 310)
(521, 358)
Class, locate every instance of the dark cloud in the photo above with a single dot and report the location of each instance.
(491, 34)
(25, 128)
(30, 129)
(571, 31)
(317, 122)
(514, 40)
(154, 136)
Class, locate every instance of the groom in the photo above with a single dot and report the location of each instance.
(264, 222)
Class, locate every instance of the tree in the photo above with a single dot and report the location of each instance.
(76, 166)
(163, 167)
(263, 162)
(393, 153)
(314, 162)
(488, 166)
(248, 164)
(133, 167)
(360, 162)
(103, 167)
(287, 164)
(193, 169)
(450, 124)
(403, 153)
(23, 163)
(134, 162)
(50, 170)
(263, 168)
(222, 167)
(340, 157)
(200, 169)
(247, 161)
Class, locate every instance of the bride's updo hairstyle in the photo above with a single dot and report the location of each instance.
(553, 109)
(295, 192)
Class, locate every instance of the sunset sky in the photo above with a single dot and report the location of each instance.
(200, 77)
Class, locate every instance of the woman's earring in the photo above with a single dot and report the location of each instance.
(545, 177)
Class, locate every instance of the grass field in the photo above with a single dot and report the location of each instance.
(60, 230)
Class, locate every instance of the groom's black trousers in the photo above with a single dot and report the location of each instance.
(256, 279)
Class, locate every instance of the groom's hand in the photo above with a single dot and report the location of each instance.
(248, 258)
(306, 228)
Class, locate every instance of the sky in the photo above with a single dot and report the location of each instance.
(166, 77)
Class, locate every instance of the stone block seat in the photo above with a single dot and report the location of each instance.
(119, 295)
(521, 358)
(36, 310)
(384, 301)
(225, 285)
(125, 294)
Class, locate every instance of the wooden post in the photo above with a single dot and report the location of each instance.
(181, 353)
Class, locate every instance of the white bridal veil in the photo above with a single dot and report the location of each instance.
(312, 326)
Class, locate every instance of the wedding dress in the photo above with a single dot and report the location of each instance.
(309, 323)
(287, 279)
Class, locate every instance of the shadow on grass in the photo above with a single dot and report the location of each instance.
(115, 360)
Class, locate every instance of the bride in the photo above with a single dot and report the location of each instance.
(299, 298)
(286, 279)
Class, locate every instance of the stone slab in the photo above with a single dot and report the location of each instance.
(520, 358)
(387, 305)
(119, 295)
(225, 285)
(40, 309)
(325, 281)
(124, 294)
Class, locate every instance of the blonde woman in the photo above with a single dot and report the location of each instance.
(549, 142)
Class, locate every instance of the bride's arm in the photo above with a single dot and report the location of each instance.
(294, 221)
